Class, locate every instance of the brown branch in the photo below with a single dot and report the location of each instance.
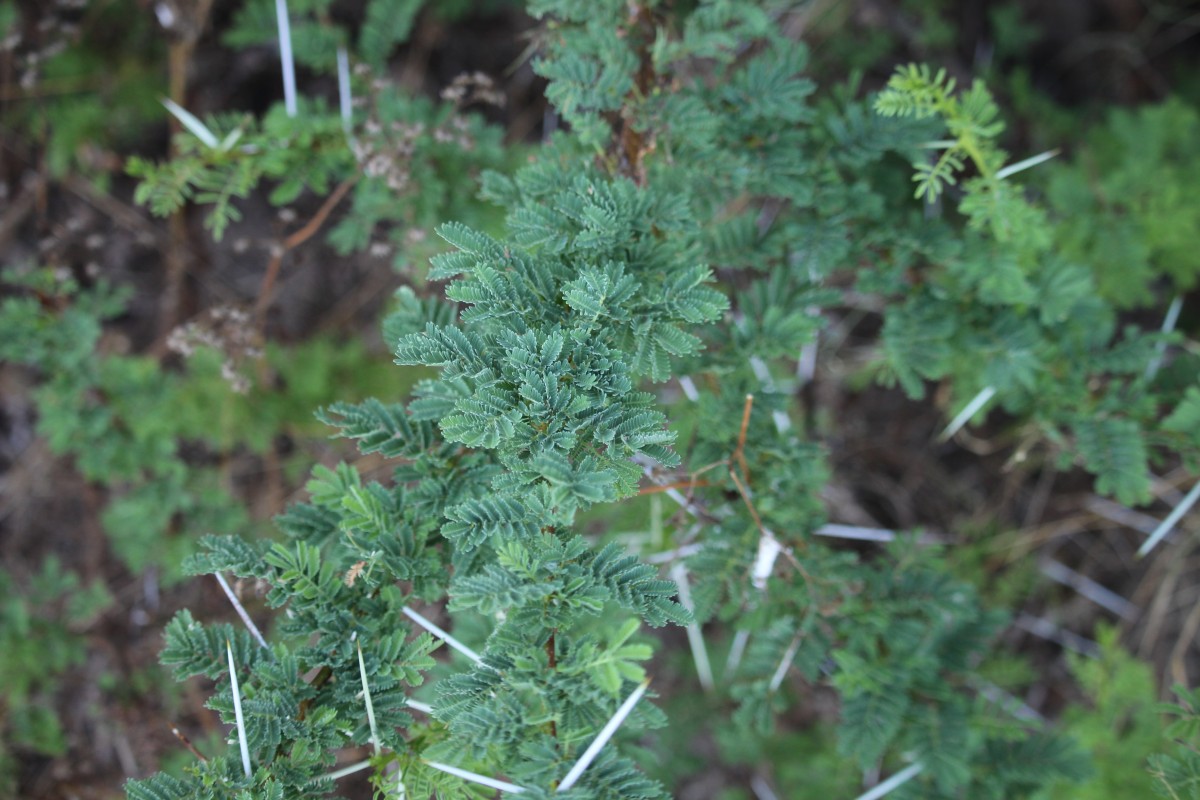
(187, 743)
(739, 453)
(295, 240)
(632, 145)
(179, 58)
(320, 679)
(666, 487)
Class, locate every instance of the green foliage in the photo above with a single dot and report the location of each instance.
(1045, 310)
(1120, 726)
(115, 415)
(315, 38)
(1177, 774)
(124, 420)
(405, 156)
(970, 118)
(39, 620)
(82, 87)
(1125, 204)
(694, 147)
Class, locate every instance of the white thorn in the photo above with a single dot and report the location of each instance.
(856, 532)
(695, 636)
(424, 708)
(1167, 326)
(191, 122)
(1040, 626)
(1089, 588)
(362, 673)
(237, 710)
(241, 611)
(899, 779)
(762, 790)
(785, 663)
(602, 738)
(345, 99)
(441, 634)
(475, 777)
(689, 388)
(1167, 524)
(671, 555)
(350, 770)
(285, 56)
(1032, 161)
(736, 651)
(964, 416)
(769, 549)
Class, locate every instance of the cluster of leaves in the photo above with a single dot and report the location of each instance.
(405, 156)
(1123, 205)
(680, 148)
(693, 145)
(84, 77)
(125, 420)
(116, 415)
(1120, 724)
(149, 437)
(1020, 314)
(39, 617)
(1177, 774)
(316, 38)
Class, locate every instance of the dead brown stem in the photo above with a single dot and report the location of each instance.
(293, 241)
(187, 743)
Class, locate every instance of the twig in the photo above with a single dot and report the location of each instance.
(745, 493)
(179, 58)
(739, 454)
(187, 743)
(295, 240)
(666, 487)
(1187, 637)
